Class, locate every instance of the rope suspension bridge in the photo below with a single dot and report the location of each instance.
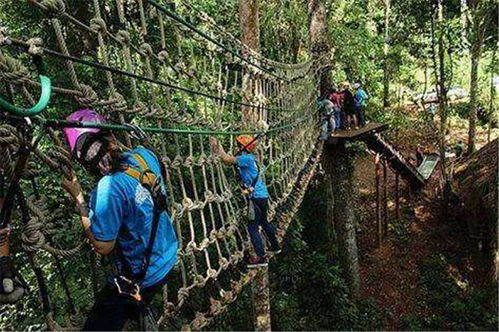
(176, 81)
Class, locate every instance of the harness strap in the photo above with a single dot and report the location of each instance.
(147, 178)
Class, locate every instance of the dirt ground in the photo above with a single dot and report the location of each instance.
(389, 274)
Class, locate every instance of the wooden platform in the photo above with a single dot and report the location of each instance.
(355, 134)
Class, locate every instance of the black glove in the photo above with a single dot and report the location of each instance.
(11, 288)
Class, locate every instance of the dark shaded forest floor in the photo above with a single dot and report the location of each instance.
(391, 274)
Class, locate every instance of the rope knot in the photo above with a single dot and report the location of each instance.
(32, 236)
(210, 196)
(87, 95)
(216, 307)
(57, 7)
(139, 107)
(189, 161)
(119, 104)
(187, 203)
(98, 25)
(123, 36)
(146, 49)
(35, 46)
(12, 70)
(199, 321)
(203, 158)
(224, 263)
(162, 55)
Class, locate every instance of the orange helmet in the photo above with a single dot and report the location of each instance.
(248, 142)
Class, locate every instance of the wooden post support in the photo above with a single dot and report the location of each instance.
(378, 201)
(261, 300)
(397, 195)
(385, 201)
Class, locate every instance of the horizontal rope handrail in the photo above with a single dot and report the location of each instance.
(101, 66)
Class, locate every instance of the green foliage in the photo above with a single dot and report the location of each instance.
(400, 230)
(446, 305)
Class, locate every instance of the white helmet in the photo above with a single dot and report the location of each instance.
(356, 85)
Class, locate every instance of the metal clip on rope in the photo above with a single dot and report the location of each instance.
(44, 99)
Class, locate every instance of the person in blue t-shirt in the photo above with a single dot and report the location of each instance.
(255, 190)
(121, 217)
(360, 101)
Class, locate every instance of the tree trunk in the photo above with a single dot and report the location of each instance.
(341, 168)
(386, 49)
(332, 245)
(319, 42)
(250, 36)
(249, 21)
(491, 113)
(464, 22)
(476, 52)
(261, 300)
(439, 69)
(475, 58)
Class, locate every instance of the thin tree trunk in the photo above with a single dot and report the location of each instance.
(425, 86)
(441, 82)
(477, 32)
(475, 58)
(319, 42)
(386, 49)
(491, 111)
(250, 36)
(261, 300)
(464, 22)
(332, 246)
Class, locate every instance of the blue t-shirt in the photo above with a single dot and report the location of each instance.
(249, 171)
(360, 98)
(121, 209)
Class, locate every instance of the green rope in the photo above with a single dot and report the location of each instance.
(56, 123)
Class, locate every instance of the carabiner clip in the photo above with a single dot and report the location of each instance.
(135, 289)
(44, 99)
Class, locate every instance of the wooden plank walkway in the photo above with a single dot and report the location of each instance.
(355, 134)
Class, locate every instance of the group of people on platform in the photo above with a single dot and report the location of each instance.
(343, 110)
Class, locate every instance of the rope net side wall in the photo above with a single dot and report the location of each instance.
(143, 66)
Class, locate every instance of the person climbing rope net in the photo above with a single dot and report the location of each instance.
(127, 215)
(255, 191)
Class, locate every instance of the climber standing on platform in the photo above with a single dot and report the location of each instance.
(326, 112)
(348, 110)
(336, 97)
(360, 103)
(127, 214)
(255, 190)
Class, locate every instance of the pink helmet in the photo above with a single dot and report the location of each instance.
(84, 115)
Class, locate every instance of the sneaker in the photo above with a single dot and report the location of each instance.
(278, 251)
(257, 262)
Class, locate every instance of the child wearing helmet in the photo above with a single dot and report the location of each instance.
(255, 190)
(124, 215)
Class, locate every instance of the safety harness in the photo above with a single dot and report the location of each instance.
(127, 282)
(245, 189)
